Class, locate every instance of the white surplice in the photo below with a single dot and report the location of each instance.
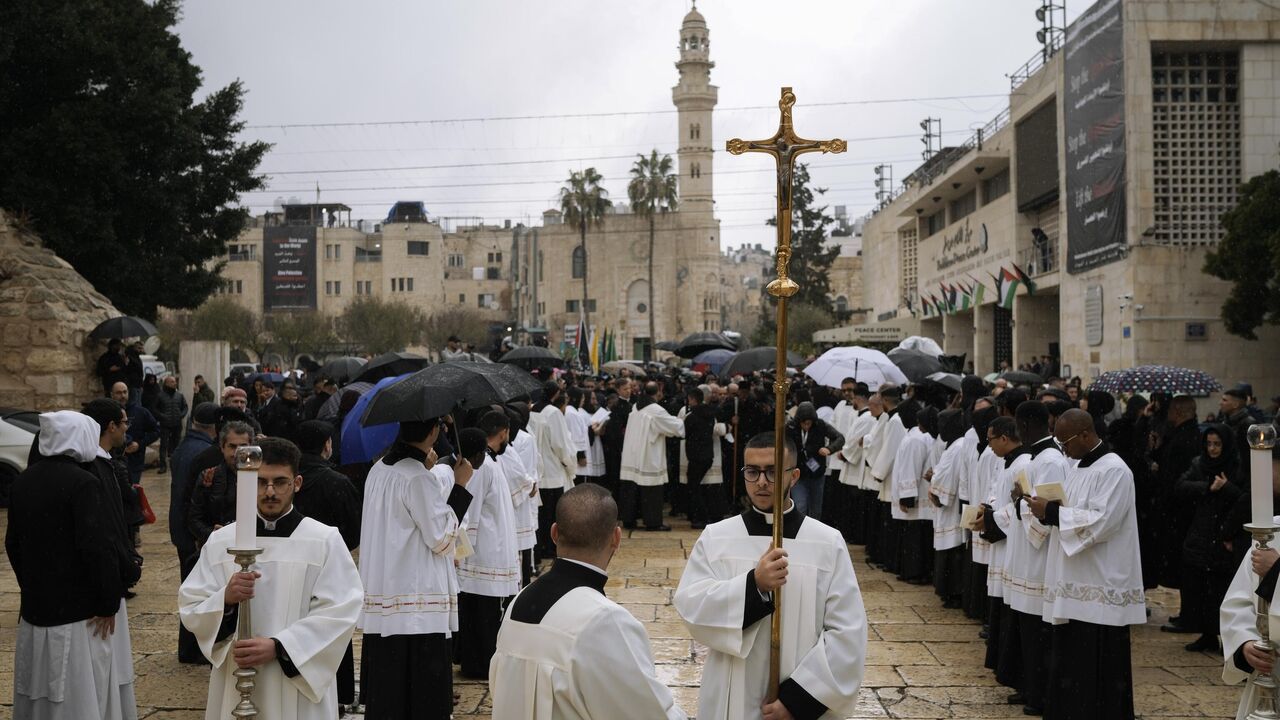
(824, 626)
(854, 451)
(588, 658)
(559, 459)
(64, 672)
(964, 488)
(948, 476)
(985, 471)
(578, 423)
(407, 541)
(308, 598)
(595, 453)
(886, 447)
(1238, 621)
(1025, 550)
(521, 483)
(644, 446)
(492, 568)
(997, 500)
(1094, 569)
(842, 418)
(909, 467)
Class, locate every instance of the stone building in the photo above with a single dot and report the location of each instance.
(549, 262)
(47, 310)
(1103, 183)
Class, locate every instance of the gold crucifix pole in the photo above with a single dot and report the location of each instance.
(784, 146)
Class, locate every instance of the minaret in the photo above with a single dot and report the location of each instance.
(694, 97)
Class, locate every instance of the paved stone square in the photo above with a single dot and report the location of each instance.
(923, 661)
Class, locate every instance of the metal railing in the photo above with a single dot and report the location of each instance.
(1037, 61)
(948, 157)
(1039, 259)
(242, 257)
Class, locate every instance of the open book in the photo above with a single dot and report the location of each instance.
(1052, 492)
(1022, 482)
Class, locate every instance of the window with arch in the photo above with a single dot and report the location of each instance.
(579, 263)
(695, 170)
(842, 305)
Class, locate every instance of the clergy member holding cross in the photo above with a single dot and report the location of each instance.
(812, 663)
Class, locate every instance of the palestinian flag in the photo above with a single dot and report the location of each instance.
(966, 296)
(1006, 288)
(938, 306)
(979, 291)
(1025, 279)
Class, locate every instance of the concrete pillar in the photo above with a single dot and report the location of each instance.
(984, 360)
(210, 358)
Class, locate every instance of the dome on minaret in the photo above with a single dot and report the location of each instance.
(695, 18)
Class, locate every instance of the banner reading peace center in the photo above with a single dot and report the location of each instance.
(1093, 120)
(288, 268)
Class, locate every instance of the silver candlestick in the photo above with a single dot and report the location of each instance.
(246, 677)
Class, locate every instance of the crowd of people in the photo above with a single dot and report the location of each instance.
(1046, 512)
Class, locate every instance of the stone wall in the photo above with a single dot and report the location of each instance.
(46, 312)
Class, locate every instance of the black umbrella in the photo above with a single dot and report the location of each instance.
(433, 392)
(700, 342)
(1021, 377)
(390, 365)
(951, 381)
(667, 345)
(756, 359)
(916, 365)
(344, 369)
(123, 327)
(532, 356)
(329, 411)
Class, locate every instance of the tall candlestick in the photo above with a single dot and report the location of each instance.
(1261, 438)
(248, 460)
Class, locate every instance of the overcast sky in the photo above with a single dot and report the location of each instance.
(405, 99)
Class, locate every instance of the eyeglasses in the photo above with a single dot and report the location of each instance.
(278, 484)
(751, 474)
(1063, 443)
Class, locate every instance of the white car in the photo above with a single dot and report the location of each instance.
(18, 430)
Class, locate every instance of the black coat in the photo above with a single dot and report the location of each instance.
(110, 377)
(329, 497)
(699, 434)
(1180, 446)
(820, 435)
(1207, 534)
(213, 502)
(169, 409)
(280, 419)
(109, 472)
(58, 545)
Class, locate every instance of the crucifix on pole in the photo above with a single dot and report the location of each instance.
(784, 147)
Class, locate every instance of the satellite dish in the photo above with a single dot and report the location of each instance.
(151, 344)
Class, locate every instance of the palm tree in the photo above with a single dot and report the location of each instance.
(653, 189)
(583, 202)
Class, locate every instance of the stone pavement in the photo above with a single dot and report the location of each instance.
(924, 661)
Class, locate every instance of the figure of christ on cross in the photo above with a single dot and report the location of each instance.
(784, 146)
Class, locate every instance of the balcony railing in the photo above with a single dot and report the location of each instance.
(1039, 259)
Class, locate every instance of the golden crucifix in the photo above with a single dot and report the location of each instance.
(784, 146)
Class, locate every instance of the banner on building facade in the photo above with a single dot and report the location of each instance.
(288, 268)
(1093, 120)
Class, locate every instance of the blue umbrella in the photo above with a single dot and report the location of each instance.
(274, 378)
(715, 358)
(361, 443)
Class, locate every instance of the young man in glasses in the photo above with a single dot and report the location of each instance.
(306, 596)
(726, 597)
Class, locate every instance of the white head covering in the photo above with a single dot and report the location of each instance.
(67, 432)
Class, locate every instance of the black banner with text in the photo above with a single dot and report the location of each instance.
(288, 268)
(1093, 121)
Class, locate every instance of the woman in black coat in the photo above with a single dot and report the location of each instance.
(1211, 486)
(815, 441)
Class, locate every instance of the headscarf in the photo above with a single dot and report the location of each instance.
(951, 425)
(70, 433)
(1226, 460)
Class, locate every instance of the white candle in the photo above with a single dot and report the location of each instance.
(248, 460)
(246, 509)
(1261, 439)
